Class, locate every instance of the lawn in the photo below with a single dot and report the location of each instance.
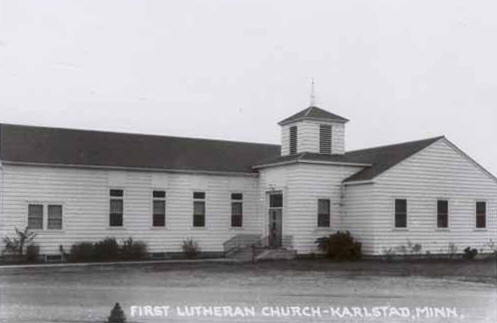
(86, 294)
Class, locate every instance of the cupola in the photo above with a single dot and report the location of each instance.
(313, 130)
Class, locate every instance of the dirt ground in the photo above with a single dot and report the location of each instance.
(291, 291)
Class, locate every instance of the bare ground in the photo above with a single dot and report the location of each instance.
(86, 294)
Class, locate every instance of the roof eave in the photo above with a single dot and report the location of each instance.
(286, 121)
(131, 168)
(308, 161)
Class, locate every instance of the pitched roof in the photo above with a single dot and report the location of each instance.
(313, 113)
(27, 144)
(376, 160)
(385, 157)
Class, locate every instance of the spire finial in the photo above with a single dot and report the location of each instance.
(313, 94)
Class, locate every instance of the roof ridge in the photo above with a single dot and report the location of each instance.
(396, 144)
(309, 109)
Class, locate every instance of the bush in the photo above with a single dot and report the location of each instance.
(32, 253)
(470, 253)
(340, 246)
(15, 245)
(133, 250)
(82, 251)
(190, 248)
(107, 249)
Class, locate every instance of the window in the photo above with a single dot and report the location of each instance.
(400, 213)
(293, 140)
(236, 209)
(481, 215)
(116, 208)
(442, 214)
(325, 139)
(35, 216)
(323, 213)
(159, 209)
(54, 217)
(199, 209)
(276, 200)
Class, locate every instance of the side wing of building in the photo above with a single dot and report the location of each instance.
(84, 196)
(447, 201)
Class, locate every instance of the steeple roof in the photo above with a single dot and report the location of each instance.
(313, 113)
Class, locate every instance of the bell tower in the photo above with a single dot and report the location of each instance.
(313, 130)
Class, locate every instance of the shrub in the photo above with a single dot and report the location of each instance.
(32, 253)
(15, 245)
(340, 246)
(190, 248)
(470, 253)
(133, 250)
(82, 251)
(106, 249)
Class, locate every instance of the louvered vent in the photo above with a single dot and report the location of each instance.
(293, 140)
(325, 139)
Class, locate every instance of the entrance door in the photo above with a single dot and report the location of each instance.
(275, 220)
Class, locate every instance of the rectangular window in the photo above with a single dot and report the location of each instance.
(400, 213)
(325, 139)
(323, 213)
(199, 209)
(236, 209)
(276, 200)
(481, 215)
(442, 214)
(35, 216)
(54, 217)
(116, 208)
(159, 209)
(293, 140)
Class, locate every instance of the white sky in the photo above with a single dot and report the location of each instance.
(399, 70)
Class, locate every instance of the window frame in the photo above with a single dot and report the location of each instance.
(319, 214)
(438, 228)
(43, 217)
(194, 200)
(45, 205)
(152, 207)
(122, 198)
(329, 149)
(395, 227)
(61, 216)
(233, 201)
(293, 151)
(484, 228)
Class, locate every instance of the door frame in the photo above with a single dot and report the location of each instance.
(268, 214)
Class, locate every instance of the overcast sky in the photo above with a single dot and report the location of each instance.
(399, 70)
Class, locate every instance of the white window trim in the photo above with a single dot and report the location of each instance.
(394, 228)
(151, 208)
(45, 205)
(122, 227)
(318, 228)
(200, 190)
(449, 211)
(486, 215)
(230, 211)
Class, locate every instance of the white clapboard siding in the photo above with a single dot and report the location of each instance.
(84, 194)
(302, 186)
(359, 212)
(308, 137)
(439, 171)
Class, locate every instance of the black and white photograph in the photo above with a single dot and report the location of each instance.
(248, 161)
